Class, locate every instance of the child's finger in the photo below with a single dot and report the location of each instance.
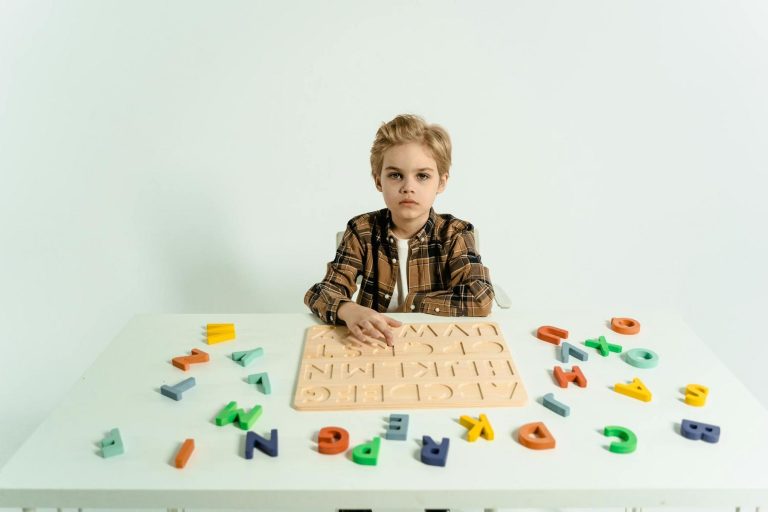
(356, 331)
(391, 321)
(374, 334)
(384, 329)
(370, 330)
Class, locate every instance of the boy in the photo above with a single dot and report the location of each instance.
(411, 258)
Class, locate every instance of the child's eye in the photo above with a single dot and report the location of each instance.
(423, 176)
(394, 175)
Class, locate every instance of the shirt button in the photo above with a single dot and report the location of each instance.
(394, 260)
(391, 239)
(386, 296)
(437, 310)
(413, 306)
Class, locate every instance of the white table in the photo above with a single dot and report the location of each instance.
(59, 465)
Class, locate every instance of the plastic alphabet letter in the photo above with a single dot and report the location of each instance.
(481, 427)
(696, 395)
(635, 389)
(625, 325)
(535, 436)
(254, 440)
(602, 345)
(553, 405)
(230, 413)
(176, 391)
(398, 427)
(434, 454)
(567, 350)
(217, 333)
(261, 379)
(332, 440)
(551, 334)
(112, 444)
(628, 442)
(367, 454)
(182, 456)
(642, 358)
(246, 357)
(563, 378)
(695, 431)
(183, 362)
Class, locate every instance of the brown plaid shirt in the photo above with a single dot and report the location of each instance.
(445, 274)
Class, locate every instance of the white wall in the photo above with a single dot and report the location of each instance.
(199, 157)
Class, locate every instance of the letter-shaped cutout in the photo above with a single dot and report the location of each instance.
(367, 454)
(535, 436)
(254, 440)
(551, 334)
(575, 375)
(636, 389)
(696, 395)
(481, 427)
(628, 442)
(182, 456)
(434, 454)
(625, 325)
(695, 430)
(183, 362)
(332, 440)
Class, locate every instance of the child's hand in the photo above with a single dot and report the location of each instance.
(363, 322)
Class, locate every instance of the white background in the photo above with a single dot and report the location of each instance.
(199, 157)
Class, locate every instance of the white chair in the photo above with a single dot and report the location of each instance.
(502, 299)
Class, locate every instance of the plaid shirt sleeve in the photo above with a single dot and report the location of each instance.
(470, 291)
(338, 285)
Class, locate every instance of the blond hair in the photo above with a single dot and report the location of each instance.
(407, 128)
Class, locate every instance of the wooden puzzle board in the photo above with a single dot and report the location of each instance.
(429, 365)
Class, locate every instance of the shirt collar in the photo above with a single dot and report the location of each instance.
(423, 234)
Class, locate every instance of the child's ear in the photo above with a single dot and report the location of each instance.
(377, 181)
(443, 183)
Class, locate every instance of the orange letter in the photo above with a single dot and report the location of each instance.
(551, 334)
(332, 440)
(182, 456)
(535, 436)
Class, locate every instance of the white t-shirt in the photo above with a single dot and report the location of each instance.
(401, 287)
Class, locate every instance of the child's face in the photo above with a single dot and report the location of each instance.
(410, 182)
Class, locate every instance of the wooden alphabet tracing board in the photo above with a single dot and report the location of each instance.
(429, 365)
